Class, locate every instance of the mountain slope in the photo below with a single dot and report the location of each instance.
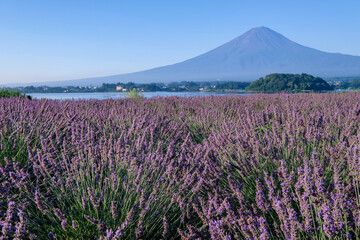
(258, 52)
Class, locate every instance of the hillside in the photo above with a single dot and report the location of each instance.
(289, 83)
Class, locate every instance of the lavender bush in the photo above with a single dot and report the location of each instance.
(220, 167)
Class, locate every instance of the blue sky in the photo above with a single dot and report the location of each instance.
(44, 40)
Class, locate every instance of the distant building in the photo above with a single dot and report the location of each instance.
(119, 88)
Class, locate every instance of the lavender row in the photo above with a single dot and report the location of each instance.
(220, 167)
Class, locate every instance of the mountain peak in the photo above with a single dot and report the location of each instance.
(262, 36)
(261, 29)
(255, 40)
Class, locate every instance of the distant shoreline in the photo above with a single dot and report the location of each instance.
(341, 84)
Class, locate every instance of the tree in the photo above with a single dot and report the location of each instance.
(289, 83)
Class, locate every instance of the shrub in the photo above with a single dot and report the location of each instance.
(4, 93)
(134, 94)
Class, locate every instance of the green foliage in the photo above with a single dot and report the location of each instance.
(7, 93)
(232, 85)
(134, 94)
(13, 148)
(289, 83)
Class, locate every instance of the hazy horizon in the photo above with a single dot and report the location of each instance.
(55, 41)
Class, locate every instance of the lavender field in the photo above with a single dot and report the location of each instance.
(219, 167)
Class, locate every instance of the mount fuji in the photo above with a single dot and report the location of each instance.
(256, 53)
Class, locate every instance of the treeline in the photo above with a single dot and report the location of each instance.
(352, 85)
(46, 89)
(185, 86)
(271, 83)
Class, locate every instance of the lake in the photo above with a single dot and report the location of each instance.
(119, 95)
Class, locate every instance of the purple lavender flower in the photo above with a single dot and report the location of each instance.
(20, 232)
(39, 203)
(114, 212)
(265, 235)
(166, 227)
(63, 224)
(51, 236)
(83, 201)
(139, 229)
(261, 201)
(7, 225)
(73, 224)
(94, 200)
(328, 222)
